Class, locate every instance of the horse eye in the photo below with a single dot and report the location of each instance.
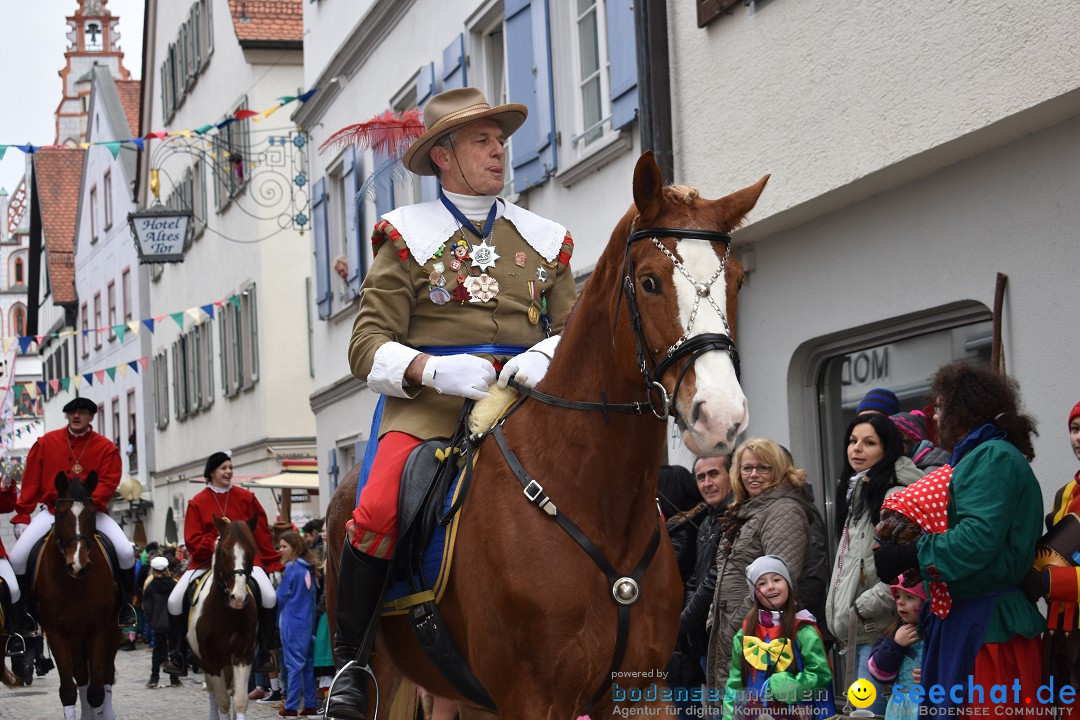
(650, 285)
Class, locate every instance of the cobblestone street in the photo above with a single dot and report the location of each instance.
(131, 699)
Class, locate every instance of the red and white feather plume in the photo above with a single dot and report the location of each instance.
(388, 134)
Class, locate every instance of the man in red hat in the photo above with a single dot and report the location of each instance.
(463, 290)
(75, 451)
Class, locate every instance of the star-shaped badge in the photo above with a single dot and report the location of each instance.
(542, 274)
(484, 256)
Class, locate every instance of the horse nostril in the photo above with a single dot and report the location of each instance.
(733, 432)
(695, 412)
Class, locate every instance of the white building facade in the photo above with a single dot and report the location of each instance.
(238, 380)
(572, 64)
(111, 285)
(916, 150)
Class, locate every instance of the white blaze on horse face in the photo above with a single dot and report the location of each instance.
(76, 555)
(238, 591)
(717, 412)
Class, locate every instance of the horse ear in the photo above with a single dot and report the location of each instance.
(220, 524)
(62, 483)
(648, 185)
(253, 522)
(91, 481)
(732, 209)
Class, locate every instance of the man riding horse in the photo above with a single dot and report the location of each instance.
(220, 498)
(75, 451)
(10, 598)
(459, 288)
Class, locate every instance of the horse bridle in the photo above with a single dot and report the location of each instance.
(226, 574)
(689, 348)
(626, 589)
(686, 347)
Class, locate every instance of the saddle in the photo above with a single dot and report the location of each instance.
(32, 561)
(434, 484)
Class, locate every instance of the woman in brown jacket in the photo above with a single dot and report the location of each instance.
(770, 517)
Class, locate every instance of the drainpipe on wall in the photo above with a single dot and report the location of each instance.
(654, 84)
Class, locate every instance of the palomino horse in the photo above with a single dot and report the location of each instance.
(77, 602)
(533, 614)
(223, 618)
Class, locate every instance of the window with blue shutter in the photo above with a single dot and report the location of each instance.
(622, 59)
(354, 221)
(528, 75)
(425, 88)
(332, 468)
(425, 84)
(384, 187)
(453, 64)
(321, 234)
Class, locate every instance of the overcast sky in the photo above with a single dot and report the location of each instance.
(32, 55)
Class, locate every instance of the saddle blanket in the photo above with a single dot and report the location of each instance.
(435, 563)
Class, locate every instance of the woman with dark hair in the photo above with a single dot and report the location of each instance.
(683, 509)
(994, 521)
(859, 605)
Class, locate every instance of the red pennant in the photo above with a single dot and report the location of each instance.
(245, 114)
(100, 375)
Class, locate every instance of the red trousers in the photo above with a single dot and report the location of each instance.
(1003, 664)
(374, 526)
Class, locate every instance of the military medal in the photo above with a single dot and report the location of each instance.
(482, 288)
(483, 255)
(439, 295)
(534, 312)
(519, 259)
(542, 274)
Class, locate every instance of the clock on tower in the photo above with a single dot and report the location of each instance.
(93, 37)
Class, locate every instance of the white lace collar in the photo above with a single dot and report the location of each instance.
(426, 226)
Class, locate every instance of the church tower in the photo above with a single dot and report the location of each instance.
(93, 39)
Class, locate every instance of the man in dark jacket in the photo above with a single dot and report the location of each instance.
(155, 605)
(714, 483)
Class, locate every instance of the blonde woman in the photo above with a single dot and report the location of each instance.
(771, 516)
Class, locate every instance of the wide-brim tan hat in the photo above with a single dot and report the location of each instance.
(451, 110)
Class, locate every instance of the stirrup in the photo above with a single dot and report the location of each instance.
(126, 612)
(351, 665)
(16, 645)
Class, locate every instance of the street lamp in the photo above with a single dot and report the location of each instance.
(161, 233)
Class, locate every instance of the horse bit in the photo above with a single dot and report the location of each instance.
(625, 589)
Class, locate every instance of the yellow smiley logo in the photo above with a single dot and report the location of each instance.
(862, 693)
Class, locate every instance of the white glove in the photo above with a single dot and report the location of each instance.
(19, 530)
(531, 366)
(463, 375)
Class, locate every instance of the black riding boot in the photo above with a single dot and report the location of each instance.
(16, 644)
(174, 664)
(127, 616)
(22, 621)
(268, 639)
(361, 583)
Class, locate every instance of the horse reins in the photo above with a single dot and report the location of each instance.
(626, 589)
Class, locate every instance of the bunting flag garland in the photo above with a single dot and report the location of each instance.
(133, 327)
(139, 143)
(42, 387)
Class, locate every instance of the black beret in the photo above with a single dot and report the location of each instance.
(214, 462)
(81, 403)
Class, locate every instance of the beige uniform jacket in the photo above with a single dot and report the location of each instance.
(396, 306)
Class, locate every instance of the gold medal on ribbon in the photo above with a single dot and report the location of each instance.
(534, 312)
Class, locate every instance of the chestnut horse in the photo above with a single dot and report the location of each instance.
(221, 632)
(531, 612)
(77, 602)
